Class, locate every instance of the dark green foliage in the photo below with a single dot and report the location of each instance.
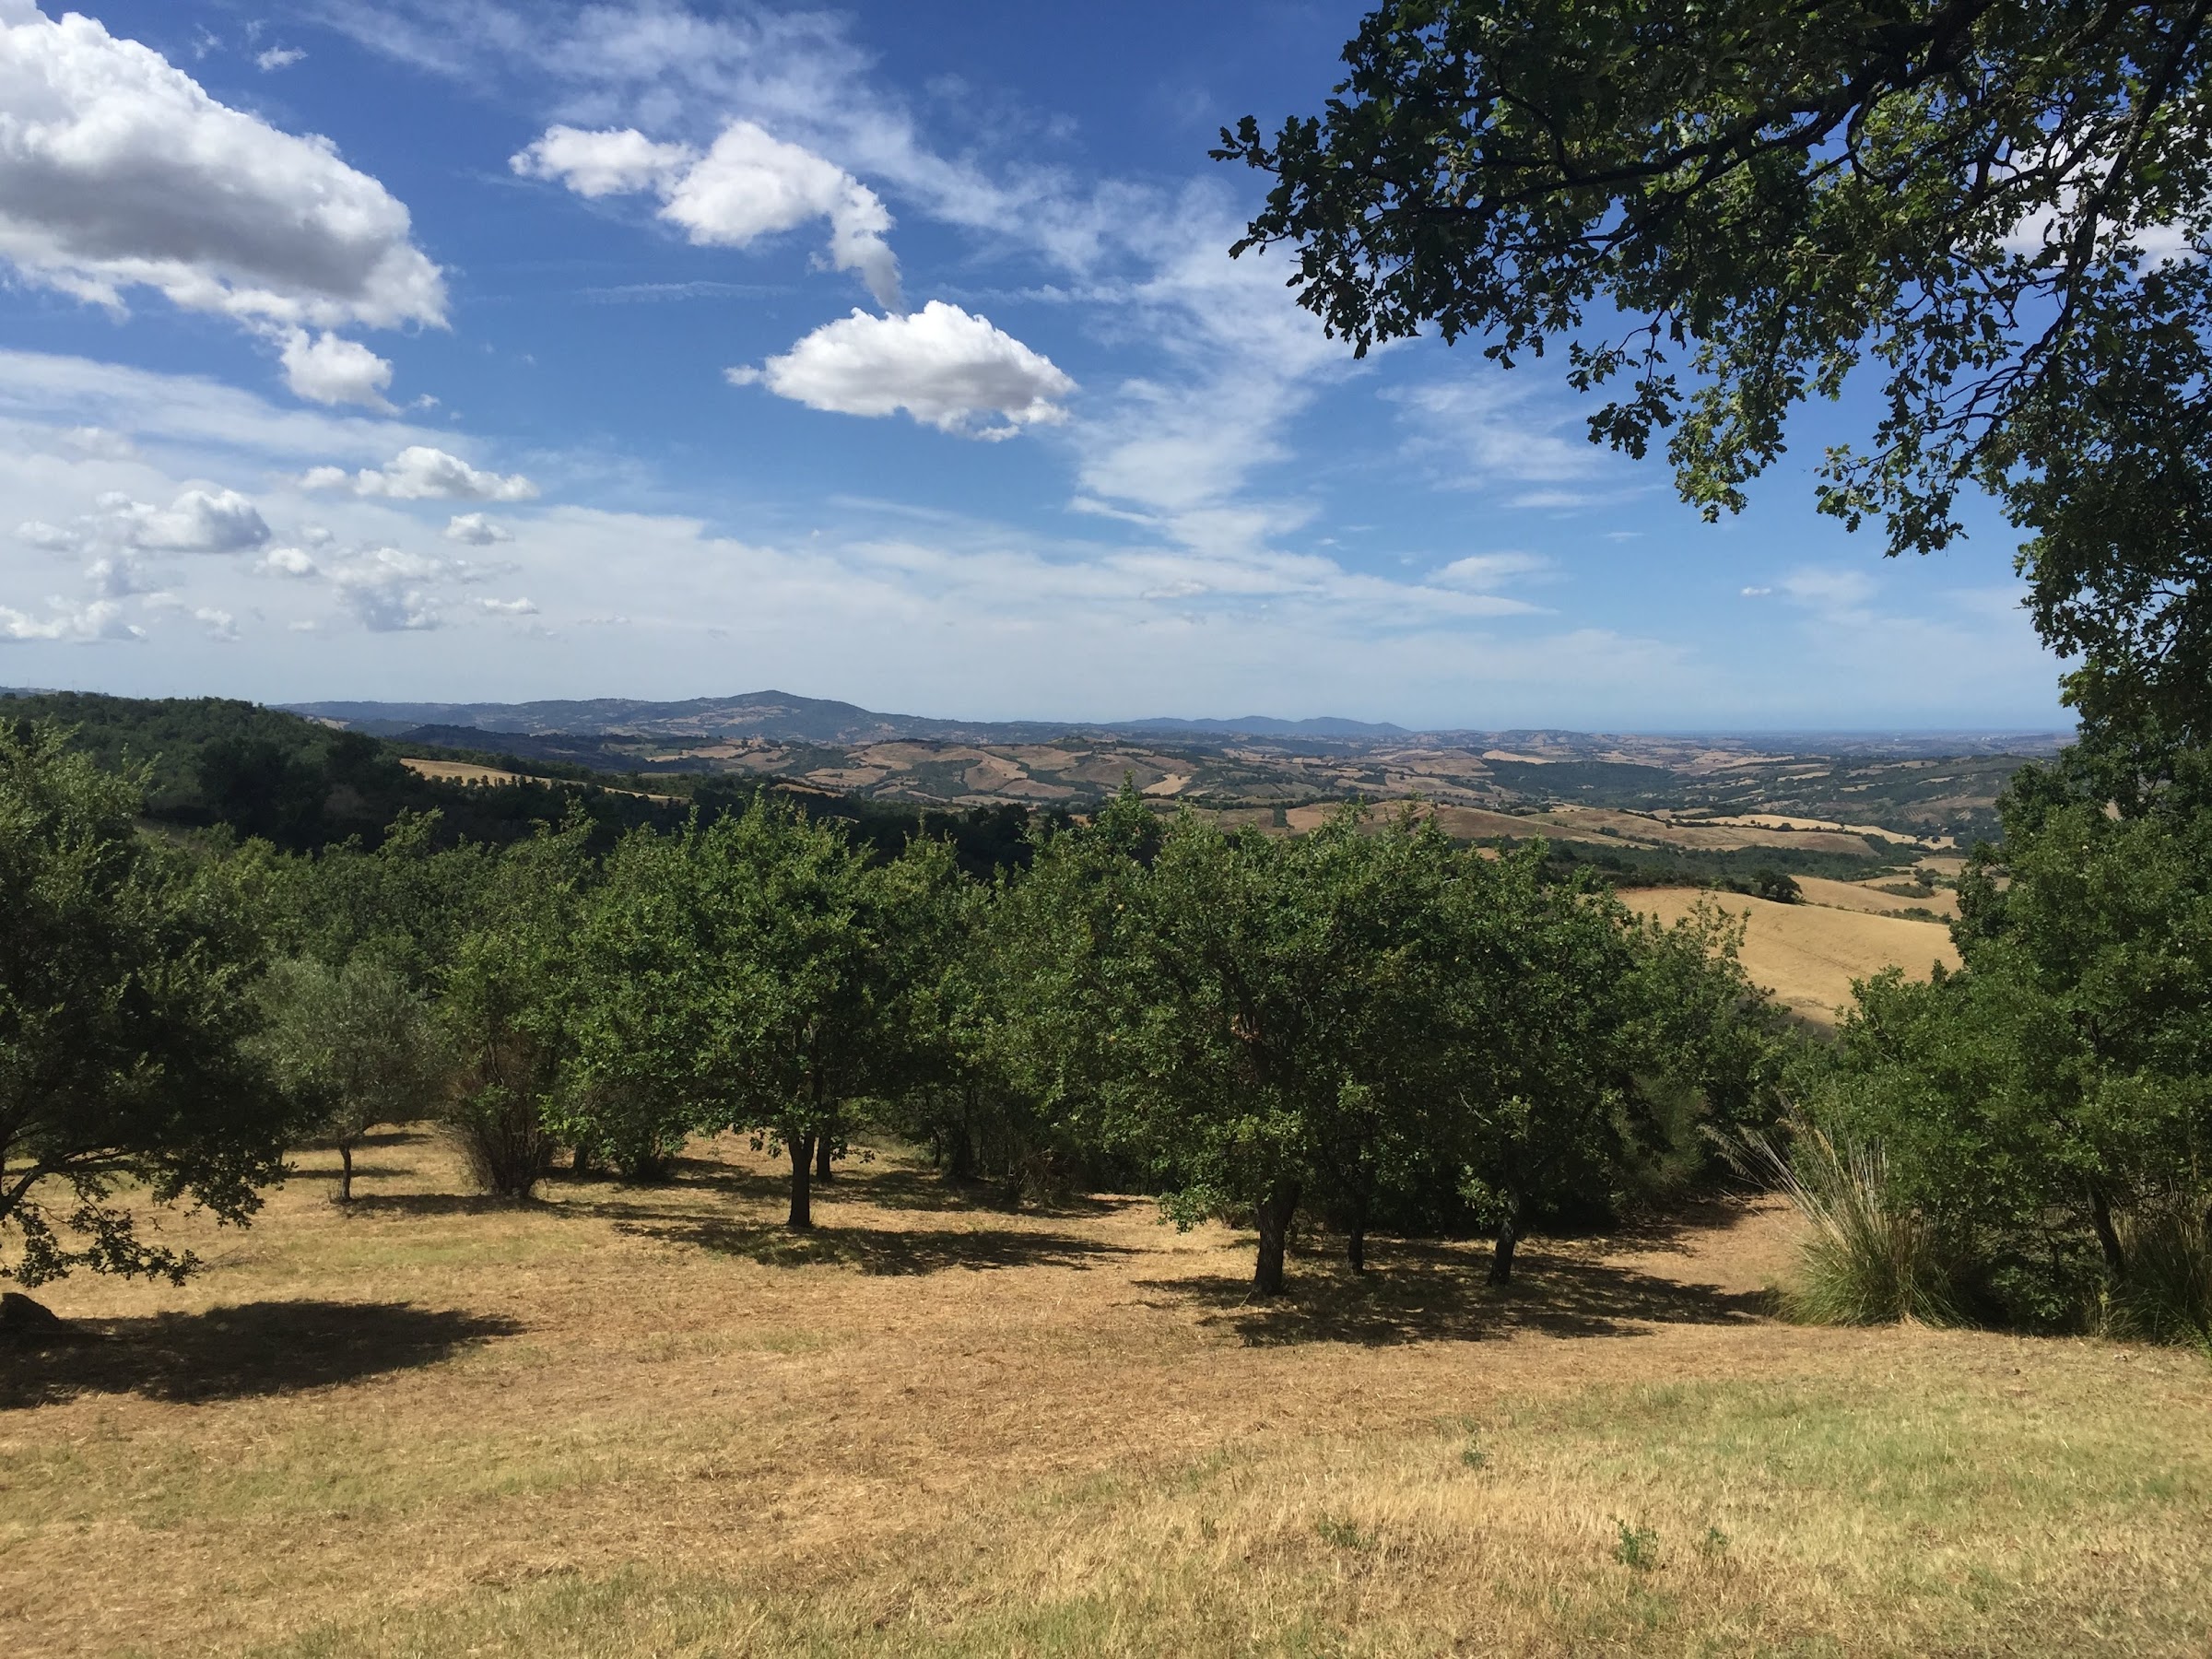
(509, 1007)
(125, 1015)
(2058, 1090)
(1377, 1026)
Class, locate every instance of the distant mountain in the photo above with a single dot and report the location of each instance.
(1261, 726)
(780, 717)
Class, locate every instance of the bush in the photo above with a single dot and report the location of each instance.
(503, 1139)
(2167, 1296)
(1867, 1257)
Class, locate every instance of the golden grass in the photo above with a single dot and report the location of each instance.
(1807, 955)
(1868, 897)
(644, 1421)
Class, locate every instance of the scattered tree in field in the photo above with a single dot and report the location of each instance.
(508, 1009)
(2000, 212)
(814, 951)
(351, 1048)
(124, 1018)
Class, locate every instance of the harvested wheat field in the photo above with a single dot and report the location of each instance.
(644, 1421)
(1807, 955)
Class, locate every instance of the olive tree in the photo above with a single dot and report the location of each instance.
(350, 1047)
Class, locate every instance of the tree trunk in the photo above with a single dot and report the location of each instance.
(959, 1154)
(802, 1184)
(1354, 1244)
(2108, 1236)
(821, 1153)
(345, 1171)
(1273, 1216)
(1501, 1260)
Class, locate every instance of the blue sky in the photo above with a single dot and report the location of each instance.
(459, 348)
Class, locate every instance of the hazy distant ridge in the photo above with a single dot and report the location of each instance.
(782, 717)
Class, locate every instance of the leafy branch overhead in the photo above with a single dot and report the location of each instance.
(2000, 212)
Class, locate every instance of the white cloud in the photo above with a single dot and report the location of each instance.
(617, 162)
(388, 588)
(509, 607)
(946, 368)
(286, 561)
(748, 184)
(198, 522)
(279, 57)
(1483, 570)
(1757, 592)
(1486, 431)
(117, 170)
(421, 473)
(221, 624)
(102, 619)
(326, 370)
(49, 538)
(477, 530)
(211, 420)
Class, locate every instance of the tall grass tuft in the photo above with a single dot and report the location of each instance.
(1867, 1258)
(2167, 1293)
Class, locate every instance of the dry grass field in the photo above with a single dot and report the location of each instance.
(628, 1421)
(1809, 954)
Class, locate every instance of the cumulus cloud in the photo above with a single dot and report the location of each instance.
(476, 530)
(199, 521)
(388, 588)
(49, 538)
(279, 57)
(286, 561)
(748, 185)
(946, 368)
(117, 170)
(617, 162)
(102, 619)
(509, 607)
(421, 472)
(325, 369)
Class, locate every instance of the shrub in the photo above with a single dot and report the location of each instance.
(2167, 1296)
(1867, 1258)
(502, 1138)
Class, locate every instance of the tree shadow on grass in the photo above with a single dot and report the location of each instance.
(431, 1204)
(1431, 1293)
(872, 1250)
(250, 1350)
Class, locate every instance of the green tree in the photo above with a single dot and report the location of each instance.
(124, 1018)
(1241, 1010)
(817, 951)
(2057, 1091)
(658, 992)
(1997, 211)
(509, 1008)
(351, 1048)
(1535, 1036)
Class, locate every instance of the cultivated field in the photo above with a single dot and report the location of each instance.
(631, 1421)
(1809, 954)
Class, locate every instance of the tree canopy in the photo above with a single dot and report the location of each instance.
(1998, 209)
(126, 1010)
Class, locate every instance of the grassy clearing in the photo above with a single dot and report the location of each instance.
(1807, 955)
(630, 1422)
